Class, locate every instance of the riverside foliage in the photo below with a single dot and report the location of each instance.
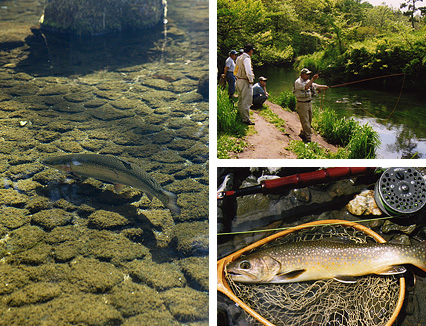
(355, 140)
(360, 141)
(345, 40)
(230, 129)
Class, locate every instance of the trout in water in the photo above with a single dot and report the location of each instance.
(116, 171)
(325, 259)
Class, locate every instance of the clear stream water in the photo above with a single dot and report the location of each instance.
(402, 135)
(73, 251)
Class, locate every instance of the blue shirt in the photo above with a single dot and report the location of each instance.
(258, 90)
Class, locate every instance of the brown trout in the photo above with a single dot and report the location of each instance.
(116, 171)
(325, 259)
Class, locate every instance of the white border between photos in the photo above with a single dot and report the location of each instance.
(214, 163)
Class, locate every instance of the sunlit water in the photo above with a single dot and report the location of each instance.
(399, 124)
(73, 251)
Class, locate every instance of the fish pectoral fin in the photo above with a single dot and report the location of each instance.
(287, 276)
(392, 270)
(119, 187)
(345, 279)
(64, 167)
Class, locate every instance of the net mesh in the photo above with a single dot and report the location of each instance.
(371, 301)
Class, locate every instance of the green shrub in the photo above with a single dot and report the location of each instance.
(360, 141)
(286, 99)
(364, 142)
(403, 52)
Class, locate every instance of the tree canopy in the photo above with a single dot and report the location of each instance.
(282, 30)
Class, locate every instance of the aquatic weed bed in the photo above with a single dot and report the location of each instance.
(74, 251)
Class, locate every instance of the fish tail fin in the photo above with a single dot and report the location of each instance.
(171, 202)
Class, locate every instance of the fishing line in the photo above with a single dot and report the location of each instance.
(372, 78)
(291, 227)
(400, 93)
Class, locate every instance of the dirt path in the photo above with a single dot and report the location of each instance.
(269, 143)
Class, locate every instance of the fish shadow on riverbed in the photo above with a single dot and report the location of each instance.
(86, 198)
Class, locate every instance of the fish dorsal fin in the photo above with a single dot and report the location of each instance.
(287, 276)
(118, 187)
(392, 270)
(338, 239)
(345, 279)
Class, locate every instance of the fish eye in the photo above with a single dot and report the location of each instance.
(245, 264)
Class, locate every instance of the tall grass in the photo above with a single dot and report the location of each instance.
(230, 129)
(228, 119)
(364, 142)
(360, 140)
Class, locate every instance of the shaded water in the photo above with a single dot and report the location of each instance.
(73, 251)
(401, 132)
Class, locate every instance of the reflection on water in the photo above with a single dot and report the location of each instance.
(73, 251)
(399, 124)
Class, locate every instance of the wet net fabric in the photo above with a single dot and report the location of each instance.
(371, 301)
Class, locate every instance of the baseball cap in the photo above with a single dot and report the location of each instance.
(248, 48)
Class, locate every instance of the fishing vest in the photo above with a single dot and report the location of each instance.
(301, 93)
(240, 71)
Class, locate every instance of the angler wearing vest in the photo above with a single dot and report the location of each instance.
(304, 89)
(244, 84)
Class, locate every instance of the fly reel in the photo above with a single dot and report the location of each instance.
(400, 192)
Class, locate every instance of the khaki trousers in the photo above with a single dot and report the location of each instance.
(245, 98)
(305, 115)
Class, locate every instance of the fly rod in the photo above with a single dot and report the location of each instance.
(299, 180)
(368, 79)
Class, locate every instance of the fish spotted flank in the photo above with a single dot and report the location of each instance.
(315, 260)
(116, 171)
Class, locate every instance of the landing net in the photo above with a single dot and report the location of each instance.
(371, 301)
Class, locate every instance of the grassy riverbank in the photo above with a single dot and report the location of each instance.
(230, 129)
(355, 140)
(360, 141)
